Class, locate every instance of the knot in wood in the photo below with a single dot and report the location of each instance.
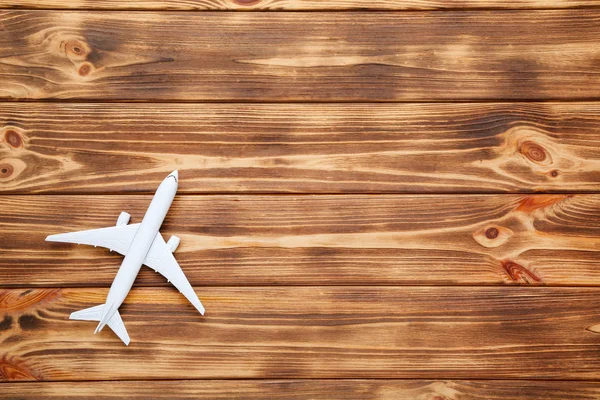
(6, 170)
(13, 139)
(75, 48)
(12, 369)
(593, 328)
(85, 69)
(531, 203)
(491, 233)
(520, 274)
(534, 152)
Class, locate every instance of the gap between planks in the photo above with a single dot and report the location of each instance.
(159, 101)
(301, 6)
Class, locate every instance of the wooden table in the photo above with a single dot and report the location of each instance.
(400, 202)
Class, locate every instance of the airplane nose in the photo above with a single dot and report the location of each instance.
(175, 174)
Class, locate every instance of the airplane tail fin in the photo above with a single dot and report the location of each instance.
(96, 313)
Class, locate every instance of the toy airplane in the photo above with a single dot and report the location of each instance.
(140, 244)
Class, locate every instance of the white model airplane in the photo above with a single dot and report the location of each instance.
(140, 244)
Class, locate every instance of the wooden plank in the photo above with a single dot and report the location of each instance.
(103, 148)
(310, 332)
(375, 56)
(318, 240)
(294, 5)
(306, 389)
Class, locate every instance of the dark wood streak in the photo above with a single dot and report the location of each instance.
(28, 322)
(312, 240)
(6, 323)
(424, 56)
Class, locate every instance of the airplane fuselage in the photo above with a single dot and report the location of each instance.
(140, 246)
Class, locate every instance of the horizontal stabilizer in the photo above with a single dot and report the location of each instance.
(88, 314)
(95, 313)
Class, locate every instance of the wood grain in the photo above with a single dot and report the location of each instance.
(276, 5)
(375, 56)
(370, 389)
(311, 332)
(323, 292)
(318, 240)
(103, 148)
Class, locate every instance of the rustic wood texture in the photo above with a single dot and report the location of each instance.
(311, 332)
(357, 56)
(103, 148)
(318, 240)
(370, 389)
(373, 204)
(279, 5)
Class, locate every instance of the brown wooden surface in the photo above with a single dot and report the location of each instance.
(282, 5)
(311, 332)
(294, 56)
(312, 389)
(104, 148)
(392, 204)
(318, 240)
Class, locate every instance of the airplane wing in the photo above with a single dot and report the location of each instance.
(160, 258)
(117, 238)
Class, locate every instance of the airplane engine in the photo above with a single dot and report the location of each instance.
(173, 243)
(123, 219)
